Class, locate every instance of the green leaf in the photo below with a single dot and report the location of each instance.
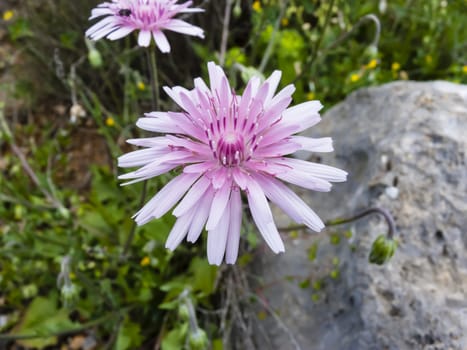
(175, 339)
(204, 275)
(42, 318)
(129, 336)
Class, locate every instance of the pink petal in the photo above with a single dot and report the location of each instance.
(144, 38)
(161, 41)
(303, 116)
(202, 212)
(273, 82)
(289, 202)
(217, 239)
(120, 33)
(321, 171)
(193, 196)
(219, 203)
(165, 198)
(179, 230)
(262, 216)
(183, 27)
(323, 144)
(233, 238)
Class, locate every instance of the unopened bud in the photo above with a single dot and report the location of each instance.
(69, 293)
(183, 312)
(198, 340)
(382, 250)
(372, 51)
(237, 10)
(95, 58)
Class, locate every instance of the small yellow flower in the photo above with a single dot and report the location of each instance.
(428, 59)
(354, 77)
(72, 276)
(372, 64)
(257, 6)
(395, 66)
(285, 22)
(464, 69)
(310, 96)
(145, 261)
(141, 86)
(110, 121)
(7, 15)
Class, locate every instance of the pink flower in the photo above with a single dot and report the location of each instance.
(228, 144)
(151, 17)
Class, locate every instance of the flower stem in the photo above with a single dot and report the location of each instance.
(340, 221)
(152, 63)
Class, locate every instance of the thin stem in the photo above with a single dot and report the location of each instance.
(152, 63)
(225, 31)
(314, 54)
(269, 48)
(369, 17)
(374, 210)
(24, 162)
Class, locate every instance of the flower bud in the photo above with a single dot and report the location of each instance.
(372, 51)
(382, 250)
(198, 340)
(69, 293)
(183, 312)
(237, 10)
(95, 58)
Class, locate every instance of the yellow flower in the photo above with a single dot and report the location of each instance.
(110, 121)
(428, 59)
(395, 66)
(354, 77)
(7, 15)
(141, 86)
(145, 261)
(372, 64)
(310, 96)
(285, 22)
(257, 6)
(464, 69)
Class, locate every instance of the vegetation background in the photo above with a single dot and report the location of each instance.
(70, 277)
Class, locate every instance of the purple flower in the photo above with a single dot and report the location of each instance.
(228, 144)
(150, 17)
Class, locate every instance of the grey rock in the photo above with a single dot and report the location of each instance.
(404, 135)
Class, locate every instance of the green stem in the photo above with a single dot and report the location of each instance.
(375, 210)
(151, 53)
(154, 78)
(309, 63)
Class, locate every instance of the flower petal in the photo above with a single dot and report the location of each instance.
(144, 38)
(165, 198)
(217, 239)
(161, 41)
(262, 216)
(233, 238)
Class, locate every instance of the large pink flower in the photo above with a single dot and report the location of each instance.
(228, 144)
(151, 17)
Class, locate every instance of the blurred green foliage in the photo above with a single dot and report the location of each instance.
(132, 299)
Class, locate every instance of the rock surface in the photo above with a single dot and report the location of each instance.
(404, 145)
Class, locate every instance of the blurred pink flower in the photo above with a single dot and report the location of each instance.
(228, 144)
(150, 17)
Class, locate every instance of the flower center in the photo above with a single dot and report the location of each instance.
(230, 149)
